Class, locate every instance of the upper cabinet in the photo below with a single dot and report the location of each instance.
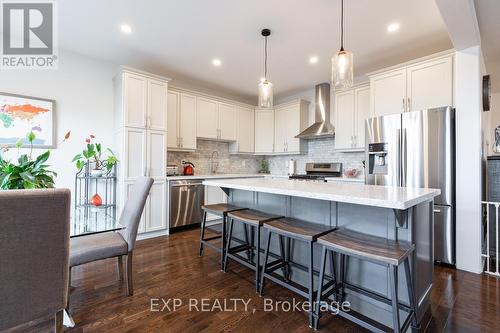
(216, 120)
(208, 118)
(289, 120)
(245, 132)
(181, 121)
(420, 85)
(142, 101)
(264, 131)
(430, 84)
(388, 93)
(227, 121)
(352, 108)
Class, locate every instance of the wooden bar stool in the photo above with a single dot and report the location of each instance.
(254, 219)
(377, 250)
(291, 228)
(220, 209)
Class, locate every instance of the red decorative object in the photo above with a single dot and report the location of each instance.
(96, 200)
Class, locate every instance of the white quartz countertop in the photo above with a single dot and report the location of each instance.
(219, 176)
(354, 193)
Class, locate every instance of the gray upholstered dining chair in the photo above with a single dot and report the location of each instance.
(34, 252)
(85, 249)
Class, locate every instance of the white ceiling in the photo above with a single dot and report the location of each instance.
(180, 38)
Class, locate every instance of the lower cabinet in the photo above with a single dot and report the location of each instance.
(154, 216)
(214, 195)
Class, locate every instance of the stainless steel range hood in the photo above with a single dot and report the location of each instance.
(322, 128)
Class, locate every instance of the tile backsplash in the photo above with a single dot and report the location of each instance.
(320, 150)
(226, 163)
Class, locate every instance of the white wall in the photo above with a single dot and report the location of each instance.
(83, 90)
(492, 119)
(468, 83)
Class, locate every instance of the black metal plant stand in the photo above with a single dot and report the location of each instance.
(87, 185)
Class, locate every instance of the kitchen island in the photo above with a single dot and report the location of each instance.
(392, 212)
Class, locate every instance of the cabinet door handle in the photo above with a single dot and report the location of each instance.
(404, 106)
(408, 104)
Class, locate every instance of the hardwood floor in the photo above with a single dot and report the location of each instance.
(169, 267)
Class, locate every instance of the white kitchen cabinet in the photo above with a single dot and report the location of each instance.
(207, 118)
(187, 122)
(216, 120)
(173, 116)
(181, 121)
(344, 119)
(430, 84)
(156, 207)
(135, 99)
(142, 111)
(414, 86)
(289, 120)
(227, 122)
(363, 112)
(264, 131)
(214, 195)
(156, 156)
(352, 108)
(133, 155)
(245, 134)
(157, 105)
(388, 93)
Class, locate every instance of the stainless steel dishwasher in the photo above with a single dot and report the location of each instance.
(185, 200)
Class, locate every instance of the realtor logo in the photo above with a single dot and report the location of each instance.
(28, 35)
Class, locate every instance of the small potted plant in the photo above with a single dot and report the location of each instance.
(28, 172)
(94, 157)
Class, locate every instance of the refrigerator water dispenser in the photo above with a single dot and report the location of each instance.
(377, 162)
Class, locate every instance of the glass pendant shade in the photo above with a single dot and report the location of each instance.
(265, 94)
(342, 70)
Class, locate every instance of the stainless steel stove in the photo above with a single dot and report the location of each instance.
(319, 171)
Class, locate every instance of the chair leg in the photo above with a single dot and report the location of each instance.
(311, 285)
(393, 278)
(119, 262)
(228, 244)
(257, 262)
(223, 242)
(342, 278)
(130, 284)
(68, 290)
(58, 322)
(321, 278)
(284, 269)
(247, 240)
(411, 293)
(202, 232)
(264, 266)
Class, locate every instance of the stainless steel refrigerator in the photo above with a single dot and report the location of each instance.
(417, 149)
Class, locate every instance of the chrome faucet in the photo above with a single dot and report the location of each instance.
(214, 164)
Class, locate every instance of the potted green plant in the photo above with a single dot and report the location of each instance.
(93, 155)
(26, 172)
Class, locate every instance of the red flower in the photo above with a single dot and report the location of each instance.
(91, 136)
(87, 140)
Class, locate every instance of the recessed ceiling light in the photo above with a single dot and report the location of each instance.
(313, 59)
(125, 28)
(393, 27)
(216, 62)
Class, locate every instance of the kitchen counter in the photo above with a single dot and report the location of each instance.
(219, 176)
(394, 213)
(360, 194)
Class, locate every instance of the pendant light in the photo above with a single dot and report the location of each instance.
(342, 62)
(265, 87)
